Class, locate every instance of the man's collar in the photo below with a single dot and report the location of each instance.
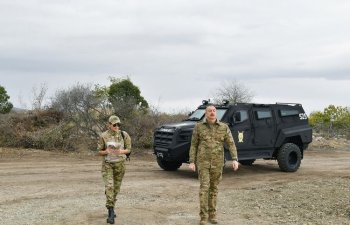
(216, 121)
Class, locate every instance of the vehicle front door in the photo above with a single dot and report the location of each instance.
(263, 127)
(241, 130)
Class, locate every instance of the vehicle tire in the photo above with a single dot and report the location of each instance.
(247, 162)
(289, 157)
(168, 166)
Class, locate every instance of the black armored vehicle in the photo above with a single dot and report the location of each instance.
(261, 131)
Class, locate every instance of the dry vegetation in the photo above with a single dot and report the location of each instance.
(49, 129)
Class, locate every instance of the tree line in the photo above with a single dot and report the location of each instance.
(333, 121)
(76, 115)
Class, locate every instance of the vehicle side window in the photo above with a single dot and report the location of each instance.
(292, 115)
(263, 115)
(240, 116)
(289, 112)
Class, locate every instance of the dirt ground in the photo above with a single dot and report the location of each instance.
(38, 187)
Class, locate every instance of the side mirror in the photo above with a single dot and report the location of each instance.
(190, 113)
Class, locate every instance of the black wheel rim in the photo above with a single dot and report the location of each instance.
(293, 158)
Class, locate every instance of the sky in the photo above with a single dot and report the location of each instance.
(179, 52)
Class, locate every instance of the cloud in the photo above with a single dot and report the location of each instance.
(174, 50)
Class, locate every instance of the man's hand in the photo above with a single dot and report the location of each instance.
(192, 166)
(235, 165)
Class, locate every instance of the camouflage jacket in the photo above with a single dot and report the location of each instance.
(111, 136)
(207, 145)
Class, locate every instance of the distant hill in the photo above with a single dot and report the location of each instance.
(15, 109)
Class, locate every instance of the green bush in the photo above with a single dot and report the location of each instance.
(333, 121)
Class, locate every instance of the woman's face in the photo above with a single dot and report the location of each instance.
(114, 127)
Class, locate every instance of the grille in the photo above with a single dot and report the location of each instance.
(185, 135)
(163, 139)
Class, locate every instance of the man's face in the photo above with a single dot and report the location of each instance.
(210, 113)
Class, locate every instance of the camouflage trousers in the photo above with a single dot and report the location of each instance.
(210, 178)
(112, 174)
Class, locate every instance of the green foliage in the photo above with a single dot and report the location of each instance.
(125, 97)
(337, 115)
(316, 118)
(5, 105)
(125, 90)
(101, 91)
(333, 120)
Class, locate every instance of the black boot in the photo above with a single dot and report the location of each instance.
(111, 216)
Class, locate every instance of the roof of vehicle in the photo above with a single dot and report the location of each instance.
(228, 105)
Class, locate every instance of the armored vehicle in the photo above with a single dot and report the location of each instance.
(261, 131)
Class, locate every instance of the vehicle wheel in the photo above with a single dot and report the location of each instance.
(168, 166)
(289, 157)
(247, 162)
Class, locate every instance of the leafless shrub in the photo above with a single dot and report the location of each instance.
(233, 91)
(39, 96)
(82, 107)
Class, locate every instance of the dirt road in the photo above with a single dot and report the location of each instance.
(38, 187)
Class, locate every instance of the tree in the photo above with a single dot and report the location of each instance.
(39, 96)
(5, 105)
(333, 120)
(316, 118)
(82, 106)
(234, 92)
(125, 97)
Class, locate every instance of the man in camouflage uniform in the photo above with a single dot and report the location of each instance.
(207, 154)
(113, 145)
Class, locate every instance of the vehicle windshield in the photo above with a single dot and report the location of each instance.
(199, 114)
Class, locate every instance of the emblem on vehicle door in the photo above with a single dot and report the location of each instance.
(240, 136)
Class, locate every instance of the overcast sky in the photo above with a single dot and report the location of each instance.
(178, 52)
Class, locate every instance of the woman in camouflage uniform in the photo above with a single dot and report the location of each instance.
(113, 145)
